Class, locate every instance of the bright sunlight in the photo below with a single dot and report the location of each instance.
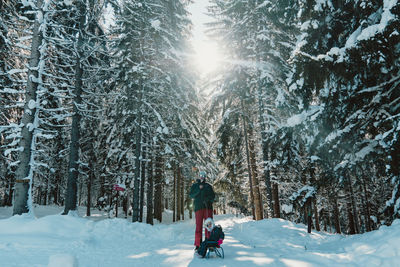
(207, 56)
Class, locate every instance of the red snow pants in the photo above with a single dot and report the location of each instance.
(201, 215)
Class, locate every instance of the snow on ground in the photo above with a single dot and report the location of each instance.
(56, 240)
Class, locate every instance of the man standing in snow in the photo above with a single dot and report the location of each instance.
(203, 195)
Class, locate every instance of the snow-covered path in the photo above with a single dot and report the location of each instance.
(61, 240)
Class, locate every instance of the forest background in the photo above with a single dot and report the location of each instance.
(300, 121)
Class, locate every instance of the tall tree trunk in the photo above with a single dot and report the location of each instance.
(45, 192)
(312, 180)
(248, 163)
(367, 205)
(48, 192)
(142, 179)
(316, 217)
(182, 194)
(8, 199)
(150, 185)
(24, 172)
(174, 208)
(189, 206)
(56, 192)
(73, 167)
(158, 187)
(80, 193)
(89, 185)
(37, 199)
(92, 168)
(354, 206)
(309, 215)
(352, 229)
(138, 149)
(116, 203)
(102, 190)
(330, 221)
(262, 122)
(178, 193)
(395, 169)
(265, 149)
(275, 194)
(336, 214)
(324, 215)
(256, 185)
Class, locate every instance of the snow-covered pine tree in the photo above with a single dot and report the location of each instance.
(348, 128)
(7, 102)
(235, 96)
(73, 166)
(274, 38)
(29, 121)
(48, 108)
(261, 46)
(152, 83)
(90, 61)
(98, 88)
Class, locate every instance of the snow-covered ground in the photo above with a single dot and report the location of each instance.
(56, 240)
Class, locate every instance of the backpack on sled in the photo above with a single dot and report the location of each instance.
(211, 244)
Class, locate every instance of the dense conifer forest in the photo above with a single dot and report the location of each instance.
(101, 106)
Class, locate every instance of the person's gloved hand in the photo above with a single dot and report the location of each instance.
(220, 242)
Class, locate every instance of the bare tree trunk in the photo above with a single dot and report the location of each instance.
(37, 198)
(330, 222)
(178, 192)
(45, 192)
(367, 206)
(392, 211)
(8, 198)
(150, 185)
(265, 148)
(256, 184)
(56, 192)
(73, 167)
(336, 214)
(89, 193)
(174, 197)
(248, 164)
(142, 179)
(80, 193)
(91, 178)
(317, 227)
(138, 149)
(353, 205)
(24, 173)
(275, 194)
(182, 194)
(352, 229)
(308, 209)
(314, 200)
(325, 219)
(102, 190)
(158, 188)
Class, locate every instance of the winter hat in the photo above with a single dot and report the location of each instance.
(207, 224)
(202, 175)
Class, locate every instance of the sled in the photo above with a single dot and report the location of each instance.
(213, 247)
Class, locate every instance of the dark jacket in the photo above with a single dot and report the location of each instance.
(216, 234)
(203, 198)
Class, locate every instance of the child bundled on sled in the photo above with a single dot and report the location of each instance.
(214, 240)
